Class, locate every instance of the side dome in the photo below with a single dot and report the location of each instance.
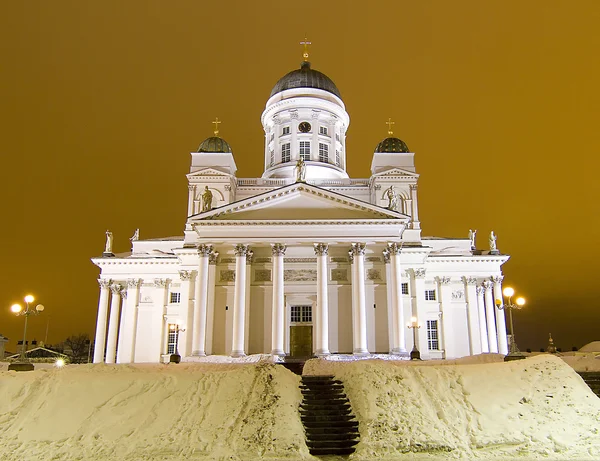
(305, 77)
(215, 144)
(392, 145)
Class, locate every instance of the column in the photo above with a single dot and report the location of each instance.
(210, 314)
(445, 292)
(418, 290)
(415, 208)
(294, 147)
(472, 314)
(127, 334)
(249, 258)
(121, 329)
(100, 338)
(490, 317)
(185, 313)
(201, 295)
(397, 300)
(239, 301)
(485, 347)
(360, 324)
(191, 194)
(353, 284)
(500, 318)
(113, 323)
(158, 335)
(322, 317)
(278, 311)
(390, 300)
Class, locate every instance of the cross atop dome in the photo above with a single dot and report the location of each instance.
(389, 123)
(305, 43)
(216, 123)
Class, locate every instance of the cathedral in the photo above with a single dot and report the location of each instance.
(303, 260)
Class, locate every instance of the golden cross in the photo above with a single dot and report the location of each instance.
(389, 123)
(216, 122)
(305, 43)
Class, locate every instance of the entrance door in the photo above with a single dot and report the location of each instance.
(301, 340)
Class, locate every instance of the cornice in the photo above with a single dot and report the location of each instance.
(299, 223)
(437, 259)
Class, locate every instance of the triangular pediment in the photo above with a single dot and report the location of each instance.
(395, 171)
(204, 172)
(300, 201)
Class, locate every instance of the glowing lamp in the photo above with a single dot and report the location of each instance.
(508, 292)
(59, 363)
(39, 307)
(16, 308)
(29, 299)
(520, 301)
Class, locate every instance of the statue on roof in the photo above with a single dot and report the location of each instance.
(136, 236)
(493, 239)
(109, 242)
(472, 234)
(300, 170)
(392, 196)
(207, 198)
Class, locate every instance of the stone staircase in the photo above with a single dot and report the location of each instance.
(327, 417)
(592, 379)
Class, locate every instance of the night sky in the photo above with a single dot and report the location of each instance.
(103, 101)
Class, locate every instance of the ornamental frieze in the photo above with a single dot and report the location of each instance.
(300, 275)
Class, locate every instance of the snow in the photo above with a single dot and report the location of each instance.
(594, 346)
(473, 408)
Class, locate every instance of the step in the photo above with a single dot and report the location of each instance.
(327, 424)
(327, 412)
(331, 443)
(310, 407)
(324, 393)
(329, 430)
(321, 401)
(332, 437)
(333, 419)
(321, 386)
(331, 451)
(316, 377)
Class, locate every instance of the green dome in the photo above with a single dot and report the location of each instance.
(215, 144)
(392, 145)
(305, 77)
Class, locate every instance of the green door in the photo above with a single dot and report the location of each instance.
(301, 340)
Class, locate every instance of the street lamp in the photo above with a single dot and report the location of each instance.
(414, 326)
(513, 351)
(23, 363)
(175, 357)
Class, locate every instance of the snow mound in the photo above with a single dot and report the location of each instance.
(148, 412)
(594, 346)
(533, 408)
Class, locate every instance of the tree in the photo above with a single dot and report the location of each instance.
(76, 347)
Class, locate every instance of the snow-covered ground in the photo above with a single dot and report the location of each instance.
(537, 408)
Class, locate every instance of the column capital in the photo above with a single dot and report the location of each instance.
(497, 278)
(191, 187)
(386, 256)
(134, 283)
(470, 280)
(241, 249)
(204, 249)
(412, 186)
(116, 288)
(479, 290)
(161, 283)
(351, 256)
(104, 283)
(321, 249)
(278, 249)
(358, 249)
(186, 275)
(212, 258)
(124, 293)
(444, 280)
(419, 273)
(394, 248)
(249, 256)
(487, 285)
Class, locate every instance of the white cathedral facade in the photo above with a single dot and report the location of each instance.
(303, 260)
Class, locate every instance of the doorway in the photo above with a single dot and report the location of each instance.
(301, 331)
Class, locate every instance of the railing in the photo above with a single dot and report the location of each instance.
(317, 182)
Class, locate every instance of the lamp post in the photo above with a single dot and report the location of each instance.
(23, 363)
(513, 351)
(414, 326)
(175, 357)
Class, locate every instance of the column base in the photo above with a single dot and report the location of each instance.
(198, 354)
(278, 352)
(398, 351)
(238, 354)
(322, 353)
(360, 352)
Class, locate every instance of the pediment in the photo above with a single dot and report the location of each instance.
(394, 171)
(204, 172)
(300, 201)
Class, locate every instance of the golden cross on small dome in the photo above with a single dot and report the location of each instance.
(216, 122)
(389, 123)
(305, 43)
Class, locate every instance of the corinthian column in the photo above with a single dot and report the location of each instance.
(239, 301)
(360, 323)
(390, 301)
(397, 300)
(127, 334)
(500, 319)
(278, 312)
(113, 323)
(322, 318)
(472, 315)
(100, 338)
(490, 317)
(485, 347)
(199, 332)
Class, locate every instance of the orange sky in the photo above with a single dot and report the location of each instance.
(103, 101)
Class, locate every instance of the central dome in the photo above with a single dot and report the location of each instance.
(305, 77)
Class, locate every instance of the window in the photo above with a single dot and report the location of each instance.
(175, 298)
(305, 150)
(285, 152)
(405, 288)
(337, 158)
(301, 314)
(323, 152)
(433, 343)
(285, 130)
(323, 130)
(173, 337)
(429, 295)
